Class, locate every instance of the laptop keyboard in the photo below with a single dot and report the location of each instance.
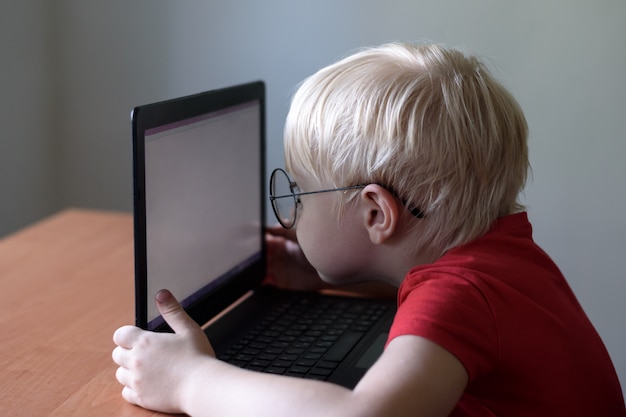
(304, 337)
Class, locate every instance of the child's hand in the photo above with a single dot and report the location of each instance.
(154, 366)
(287, 266)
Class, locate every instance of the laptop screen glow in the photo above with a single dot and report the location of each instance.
(202, 198)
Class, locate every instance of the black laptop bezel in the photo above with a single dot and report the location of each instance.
(158, 114)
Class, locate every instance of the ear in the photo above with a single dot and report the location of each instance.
(380, 213)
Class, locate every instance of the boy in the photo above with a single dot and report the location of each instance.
(419, 155)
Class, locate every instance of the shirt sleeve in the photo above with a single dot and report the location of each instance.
(453, 312)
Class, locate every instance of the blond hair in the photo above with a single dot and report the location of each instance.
(428, 122)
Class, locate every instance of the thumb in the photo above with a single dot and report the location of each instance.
(172, 312)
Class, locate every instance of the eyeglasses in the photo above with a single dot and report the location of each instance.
(285, 197)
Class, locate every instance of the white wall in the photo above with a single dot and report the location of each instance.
(563, 59)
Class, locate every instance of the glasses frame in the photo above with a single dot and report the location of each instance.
(415, 211)
(296, 195)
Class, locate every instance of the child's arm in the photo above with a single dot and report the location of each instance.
(177, 373)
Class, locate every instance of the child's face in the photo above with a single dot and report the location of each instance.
(336, 247)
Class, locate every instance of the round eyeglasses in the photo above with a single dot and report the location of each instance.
(285, 196)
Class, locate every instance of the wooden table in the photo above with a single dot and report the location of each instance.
(66, 284)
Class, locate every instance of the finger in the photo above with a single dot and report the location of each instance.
(124, 376)
(269, 279)
(275, 247)
(173, 313)
(119, 356)
(125, 336)
(278, 230)
(129, 395)
(122, 357)
(275, 227)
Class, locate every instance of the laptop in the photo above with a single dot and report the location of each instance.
(199, 218)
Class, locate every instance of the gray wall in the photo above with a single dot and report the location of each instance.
(73, 69)
(29, 152)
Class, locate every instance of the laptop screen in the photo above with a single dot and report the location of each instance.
(201, 201)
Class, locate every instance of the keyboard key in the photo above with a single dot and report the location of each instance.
(299, 369)
(275, 370)
(306, 362)
(327, 364)
(321, 371)
(314, 356)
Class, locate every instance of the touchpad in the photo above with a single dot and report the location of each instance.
(373, 352)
